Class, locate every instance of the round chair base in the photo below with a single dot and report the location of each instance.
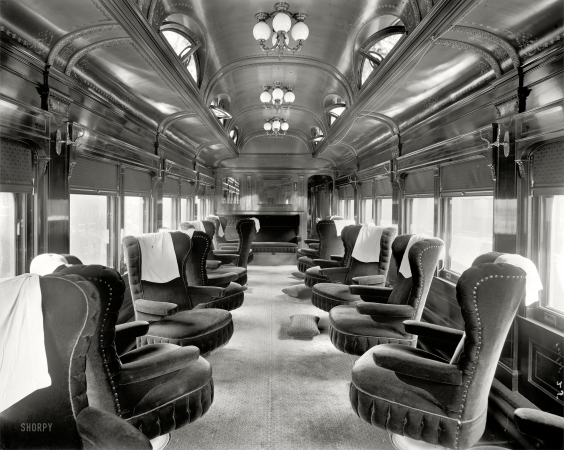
(160, 442)
(405, 443)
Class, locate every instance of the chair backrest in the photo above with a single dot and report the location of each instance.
(175, 290)
(329, 242)
(195, 269)
(348, 236)
(247, 232)
(211, 224)
(489, 296)
(70, 313)
(423, 258)
(223, 221)
(358, 268)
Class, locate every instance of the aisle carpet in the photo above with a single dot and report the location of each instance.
(277, 392)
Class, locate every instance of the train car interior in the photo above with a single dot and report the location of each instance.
(281, 225)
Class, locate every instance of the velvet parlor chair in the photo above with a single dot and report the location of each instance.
(70, 313)
(247, 231)
(329, 244)
(418, 396)
(222, 240)
(178, 312)
(379, 319)
(157, 387)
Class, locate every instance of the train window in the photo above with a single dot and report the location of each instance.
(8, 240)
(136, 215)
(185, 48)
(366, 207)
(420, 214)
(384, 212)
(168, 220)
(377, 49)
(91, 218)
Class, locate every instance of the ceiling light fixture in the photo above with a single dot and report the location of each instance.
(276, 127)
(281, 24)
(282, 97)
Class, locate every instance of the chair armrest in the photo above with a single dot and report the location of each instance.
(373, 294)
(226, 251)
(221, 279)
(432, 331)
(131, 330)
(139, 366)
(332, 271)
(385, 310)
(409, 361)
(155, 308)
(104, 430)
(337, 257)
(226, 258)
(297, 239)
(370, 280)
(311, 241)
(326, 263)
(541, 425)
(213, 264)
(205, 291)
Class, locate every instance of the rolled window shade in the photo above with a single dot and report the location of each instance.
(548, 165)
(342, 192)
(383, 188)
(365, 190)
(186, 189)
(420, 183)
(137, 182)
(89, 174)
(349, 191)
(201, 191)
(16, 166)
(171, 187)
(467, 176)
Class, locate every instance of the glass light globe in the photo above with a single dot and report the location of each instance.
(282, 22)
(267, 126)
(275, 39)
(289, 97)
(261, 31)
(276, 125)
(284, 126)
(265, 96)
(278, 94)
(300, 31)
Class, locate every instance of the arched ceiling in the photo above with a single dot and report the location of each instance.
(113, 49)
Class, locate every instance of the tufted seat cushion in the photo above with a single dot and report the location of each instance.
(240, 271)
(313, 276)
(355, 333)
(304, 263)
(233, 298)
(328, 295)
(309, 252)
(206, 329)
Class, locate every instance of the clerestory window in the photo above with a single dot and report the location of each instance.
(376, 50)
(185, 48)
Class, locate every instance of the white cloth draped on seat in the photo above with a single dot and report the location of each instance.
(158, 260)
(198, 225)
(47, 263)
(220, 232)
(340, 224)
(189, 232)
(257, 224)
(23, 361)
(367, 245)
(405, 268)
(534, 283)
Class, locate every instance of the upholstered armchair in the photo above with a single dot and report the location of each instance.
(222, 240)
(157, 387)
(380, 320)
(70, 313)
(328, 295)
(313, 275)
(418, 396)
(329, 244)
(174, 309)
(247, 232)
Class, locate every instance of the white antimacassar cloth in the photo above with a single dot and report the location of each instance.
(367, 245)
(47, 263)
(23, 361)
(220, 232)
(158, 260)
(534, 283)
(257, 224)
(340, 224)
(405, 268)
(189, 231)
(197, 224)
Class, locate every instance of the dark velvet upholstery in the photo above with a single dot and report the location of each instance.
(175, 294)
(328, 295)
(356, 328)
(329, 244)
(222, 240)
(348, 237)
(247, 231)
(70, 313)
(547, 427)
(413, 393)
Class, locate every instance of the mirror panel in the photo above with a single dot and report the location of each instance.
(275, 190)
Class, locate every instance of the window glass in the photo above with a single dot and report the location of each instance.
(366, 210)
(350, 209)
(182, 47)
(471, 230)
(421, 216)
(183, 209)
(167, 212)
(8, 235)
(378, 52)
(385, 219)
(552, 269)
(341, 208)
(197, 209)
(89, 230)
(136, 215)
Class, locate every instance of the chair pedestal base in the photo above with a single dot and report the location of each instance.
(160, 442)
(405, 443)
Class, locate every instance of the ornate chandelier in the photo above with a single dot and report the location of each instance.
(281, 23)
(276, 127)
(282, 97)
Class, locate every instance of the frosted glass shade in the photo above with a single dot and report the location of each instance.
(265, 97)
(277, 94)
(267, 126)
(282, 22)
(276, 125)
(284, 126)
(289, 97)
(261, 31)
(300, 31)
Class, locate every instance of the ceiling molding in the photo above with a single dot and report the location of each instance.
(509, 49)
(350, 148)
(170, 119)
(260, 61)
(90, 48)
(465, 47)
(293, 134)
(386, 120)
(324, 158)
(202, 147)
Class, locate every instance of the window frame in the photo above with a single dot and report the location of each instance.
(408, 210)
(193, 53)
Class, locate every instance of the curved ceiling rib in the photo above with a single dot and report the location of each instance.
(300, 61)
(472, 49)
(324, 158)
(102, 44)
(346, 146)
(170, 119)
(294, 134)
(386, 120)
